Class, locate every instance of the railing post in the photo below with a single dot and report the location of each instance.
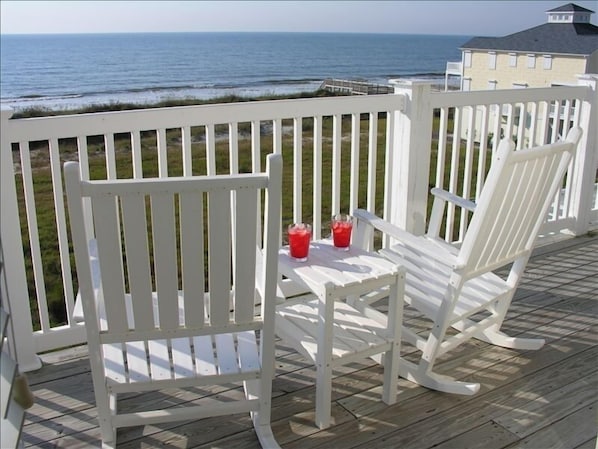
(412, 139)
(12, 245)
(586, 160)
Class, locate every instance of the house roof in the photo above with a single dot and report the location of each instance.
(563, 38)
(570, 7)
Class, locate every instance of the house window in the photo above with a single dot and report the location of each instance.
(547, 62)
(492, 84)
(467, 58)
(531, 61)
(492, 60)
(512, 59)
(466, 84)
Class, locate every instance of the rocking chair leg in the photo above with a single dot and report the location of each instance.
(499, 338)
(264, 434)
(434, 381)
(261, 420)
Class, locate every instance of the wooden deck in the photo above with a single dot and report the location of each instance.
(534, 399)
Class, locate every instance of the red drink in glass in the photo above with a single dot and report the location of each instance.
(341, 226)
(299, 238)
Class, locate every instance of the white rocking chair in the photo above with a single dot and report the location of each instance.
(151, 322)
(456, 287)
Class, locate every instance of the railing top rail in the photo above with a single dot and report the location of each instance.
(502, 96)
(42, 128)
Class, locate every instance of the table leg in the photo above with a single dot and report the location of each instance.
(324, 360)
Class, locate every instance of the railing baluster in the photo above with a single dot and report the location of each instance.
(510, 119)
(82, 152)
(136, 157)
(110, 156)
(481, 174)
(34, 242)
(354, 180)
(277, 136)
(162, 153)
(497, 127)
(256, 168)
(336, 162)
(468, 169)
(388, 170)
(187, 151)
(441, 151)
(533, 124)
(521, 124)
(454, 173)
(297, 169)
(210, 150)
(233, 147)
(554, 135)
(372, 161)
(545, 116)
(317, 178)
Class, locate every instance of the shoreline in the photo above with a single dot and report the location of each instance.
(40, 111)
(42, 108)
(149, 97)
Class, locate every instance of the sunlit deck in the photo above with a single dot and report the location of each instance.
(536, 399)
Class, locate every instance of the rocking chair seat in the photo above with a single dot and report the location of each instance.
(426, 284)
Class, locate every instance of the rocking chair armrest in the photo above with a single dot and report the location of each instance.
(431, 248)
(441, 197)
(452, 198)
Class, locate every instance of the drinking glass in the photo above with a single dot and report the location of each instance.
(299, 237)
(341, 226)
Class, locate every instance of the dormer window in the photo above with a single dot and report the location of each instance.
(569, 14)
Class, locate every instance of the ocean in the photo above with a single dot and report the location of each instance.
(75, 70)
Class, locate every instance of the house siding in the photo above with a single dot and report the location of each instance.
(564, 70)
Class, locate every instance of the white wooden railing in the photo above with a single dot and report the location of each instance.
(376, 152)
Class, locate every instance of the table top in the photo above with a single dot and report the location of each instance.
(328, 268)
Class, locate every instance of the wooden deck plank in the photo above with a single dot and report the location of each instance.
(527, 399)
(577, 430)
(489, 436)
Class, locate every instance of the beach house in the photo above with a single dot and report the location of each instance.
(551, 54)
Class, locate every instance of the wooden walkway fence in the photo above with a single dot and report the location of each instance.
(355, 87)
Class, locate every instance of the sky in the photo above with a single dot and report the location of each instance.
(471, 18)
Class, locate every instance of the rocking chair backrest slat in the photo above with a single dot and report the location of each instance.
(111, 265)
(219, 250)
(246, 223)
(150, 238)
(138, 261)
(192, 257)
(514, 202)
(165, 259)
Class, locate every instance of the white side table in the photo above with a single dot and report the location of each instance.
(329, 331)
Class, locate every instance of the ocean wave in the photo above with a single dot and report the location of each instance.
(40, 97)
